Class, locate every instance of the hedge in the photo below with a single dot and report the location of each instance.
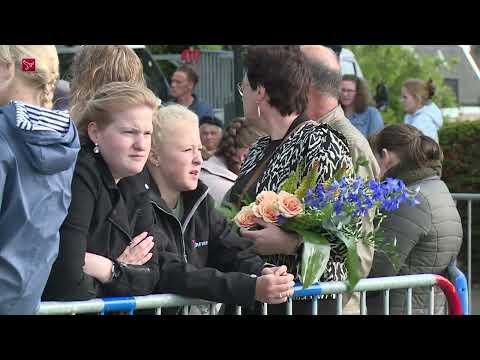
(460, 142)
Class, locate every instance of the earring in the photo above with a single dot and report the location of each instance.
(96, 149)
(258, 111)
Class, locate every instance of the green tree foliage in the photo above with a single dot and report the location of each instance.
(393, 64)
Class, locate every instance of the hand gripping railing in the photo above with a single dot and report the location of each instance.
(130, 304)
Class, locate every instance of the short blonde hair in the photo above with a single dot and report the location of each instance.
(170, 115)
(97, 65)
(46, 71)
(110, 98)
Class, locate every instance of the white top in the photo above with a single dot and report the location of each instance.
(217, 177)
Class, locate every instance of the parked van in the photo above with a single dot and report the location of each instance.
(154, 76)
(349, 63)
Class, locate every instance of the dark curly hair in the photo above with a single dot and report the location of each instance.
(283, 71)
(239, 134)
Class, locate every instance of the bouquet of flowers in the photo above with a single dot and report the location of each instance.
(328, 211)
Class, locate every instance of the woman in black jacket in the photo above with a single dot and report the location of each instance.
(200, 254)
(105, 247)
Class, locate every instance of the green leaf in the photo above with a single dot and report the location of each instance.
(228, 210)
(352, 261)
(316, 252)
(361, 161)
(290, 185)
(309, 181)
(340, 173)
(247, 200)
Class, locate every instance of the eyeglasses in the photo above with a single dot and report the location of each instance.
(240, 88)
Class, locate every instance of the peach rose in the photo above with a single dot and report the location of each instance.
(267, 197)
(268, 211)
(245, 218)
(289, 205)
(255, 209)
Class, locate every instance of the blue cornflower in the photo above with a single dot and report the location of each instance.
(412, 201)
(394, 185)
(343, 184)
(390, 205)
(338, 206)
(319, 190)
(357, 185)
(354, 198)
(368, 202)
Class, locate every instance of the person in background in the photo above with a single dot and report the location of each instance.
(182, 87)
(96, 65)
(355, 100)
(428, 236)
(211, 131)
(220, 171)
(61, 95)
(38, 150)
(106, 242)
(421, 111)
(200, 253)
(323, 107)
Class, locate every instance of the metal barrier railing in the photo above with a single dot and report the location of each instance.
(469, 198)
(130, 304)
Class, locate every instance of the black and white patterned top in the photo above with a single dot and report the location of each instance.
(306, 144)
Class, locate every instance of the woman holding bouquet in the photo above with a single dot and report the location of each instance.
(428, 236)
(274, 92)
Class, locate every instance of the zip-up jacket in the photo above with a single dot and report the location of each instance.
(38, 149)
(202, 255)
(103, 218)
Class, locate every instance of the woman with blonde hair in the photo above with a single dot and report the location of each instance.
(422, 112)
(200, 253)
(106, 243)
(38, 149)
(97, 65)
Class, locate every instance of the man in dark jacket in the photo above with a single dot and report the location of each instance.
(183, 83)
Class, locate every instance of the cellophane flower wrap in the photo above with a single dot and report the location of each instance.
(322, 211)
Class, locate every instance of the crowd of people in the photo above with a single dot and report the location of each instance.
(105, 191)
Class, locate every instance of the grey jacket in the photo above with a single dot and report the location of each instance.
(217, 177)
(428, 237)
